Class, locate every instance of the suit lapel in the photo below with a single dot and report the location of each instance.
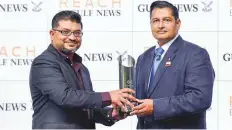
(148, 62)
(144, 67)
(169, 56)
(70, 70)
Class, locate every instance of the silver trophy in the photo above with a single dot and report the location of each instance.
(126, 73)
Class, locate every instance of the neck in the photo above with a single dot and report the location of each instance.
(161, 43)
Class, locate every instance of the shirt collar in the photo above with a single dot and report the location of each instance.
(71, 56)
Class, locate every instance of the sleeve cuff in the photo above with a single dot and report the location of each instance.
(109, 116)
(106, 100)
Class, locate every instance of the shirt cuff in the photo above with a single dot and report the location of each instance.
(109, 116)
(106, 99)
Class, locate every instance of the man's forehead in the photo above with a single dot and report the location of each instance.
(68, 24)
(162, 12)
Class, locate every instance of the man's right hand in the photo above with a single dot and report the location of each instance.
(119, 98)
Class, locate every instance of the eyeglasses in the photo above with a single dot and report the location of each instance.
(68, 32)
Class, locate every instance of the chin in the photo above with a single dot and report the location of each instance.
(161, 38)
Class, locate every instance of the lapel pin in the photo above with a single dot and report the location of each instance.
(168, 63)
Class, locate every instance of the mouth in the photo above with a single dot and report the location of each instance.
(161, 32)
(72, 43)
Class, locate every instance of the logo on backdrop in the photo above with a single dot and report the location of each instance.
(36, 6)
(97, 57)
(207, 5)
(15, 106)
(100, 8)
(227, 57)
(200, 6)
(101, 56)
(17, 55)
(30, 6)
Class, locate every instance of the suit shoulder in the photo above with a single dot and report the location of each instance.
(192, 48)
(45, 56)
(146, 52)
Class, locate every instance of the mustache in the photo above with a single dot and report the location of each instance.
(71, 42)
(162, 31)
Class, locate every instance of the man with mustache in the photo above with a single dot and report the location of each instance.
(174, 79)
(61, 88)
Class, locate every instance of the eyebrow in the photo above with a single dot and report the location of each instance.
(162, 18)
(69, 29)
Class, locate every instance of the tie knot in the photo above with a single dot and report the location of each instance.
(159, 51)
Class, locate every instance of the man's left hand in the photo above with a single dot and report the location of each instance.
(145, 108)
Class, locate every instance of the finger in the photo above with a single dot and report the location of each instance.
(132, 98)
(124, 101)
(138, 112)
(139, 107)
(140, 101)
(120, 105)
(124, 109)
(129, 96)
(141, 114)
(125, 95)
(130, 104)
(127, 90)
(135, 112)
(144, 111)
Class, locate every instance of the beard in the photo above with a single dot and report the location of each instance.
(66, 51)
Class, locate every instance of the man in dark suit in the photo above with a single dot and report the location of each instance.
(61, 87)
(174, 79)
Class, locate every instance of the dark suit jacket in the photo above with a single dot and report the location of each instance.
(58, 101)
(182, 91)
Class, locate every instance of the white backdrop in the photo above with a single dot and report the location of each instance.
(109, 26)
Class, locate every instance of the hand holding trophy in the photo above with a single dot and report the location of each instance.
(126, 74)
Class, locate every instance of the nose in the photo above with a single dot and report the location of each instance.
(72, 37)
(161, 24)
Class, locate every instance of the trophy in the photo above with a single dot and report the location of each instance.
(126, 73)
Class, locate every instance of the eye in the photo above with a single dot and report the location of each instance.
(167, 20)
(155, 21)
(65, 32)
(77, 33)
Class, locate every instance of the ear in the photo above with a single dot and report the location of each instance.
(178, 23)
(52, 33)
